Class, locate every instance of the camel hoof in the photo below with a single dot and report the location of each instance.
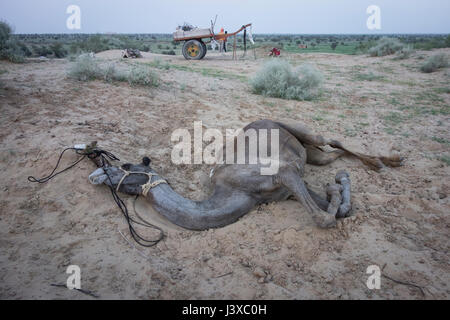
(334, 196)
(324, 220)
(344, 211)
(340, 175)
(343, 178)
(394, 161)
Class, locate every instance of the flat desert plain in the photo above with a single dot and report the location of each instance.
(401, 216)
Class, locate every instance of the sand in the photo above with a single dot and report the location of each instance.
(400, 216)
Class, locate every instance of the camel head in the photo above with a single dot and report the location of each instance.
(128, 176)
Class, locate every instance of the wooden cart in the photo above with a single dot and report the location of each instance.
(194, 48)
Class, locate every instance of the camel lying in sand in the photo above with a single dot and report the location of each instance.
(238, 188)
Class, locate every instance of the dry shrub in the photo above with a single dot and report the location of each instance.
(86, 67)
(386, 46)
(279, 79)
(435, 63)
(142, 76)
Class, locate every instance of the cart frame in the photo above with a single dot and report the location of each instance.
(194, 48)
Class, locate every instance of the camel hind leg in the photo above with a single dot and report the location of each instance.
(307, 137)
(318, 157)
(373, 162)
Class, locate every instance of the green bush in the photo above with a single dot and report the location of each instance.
(42, 51)
(94, 43)
(142, 76)
(404, 53)
(13, 56)
(85, 68)
(435, 63)
(110, 74)
(13, 52)
(170, 53)
(10, 49)
(386, 46)
(433, 43)
(25, 49)
(5, 34)
(58, 50)
(278, 79)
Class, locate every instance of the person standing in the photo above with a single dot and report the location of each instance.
(225, 42)
(222, 40)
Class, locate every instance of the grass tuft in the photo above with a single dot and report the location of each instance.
(386, 46)
(142, 76)
(86, 68)
(278, 79)
(435, 63)
(404, 53)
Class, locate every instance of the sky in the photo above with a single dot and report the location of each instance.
(267, 16)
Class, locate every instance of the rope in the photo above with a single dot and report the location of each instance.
(105, 156)
(53, 174)
(136, 236)
(145, 187)
(90, 154)
(144, 222)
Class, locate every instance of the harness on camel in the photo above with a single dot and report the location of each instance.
(102, 159)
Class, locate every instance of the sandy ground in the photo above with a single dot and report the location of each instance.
(400, 216)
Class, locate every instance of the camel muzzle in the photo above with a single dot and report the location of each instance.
(98, 176)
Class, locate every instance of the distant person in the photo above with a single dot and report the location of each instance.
(225, 43)
(275, 52)
(222, 41)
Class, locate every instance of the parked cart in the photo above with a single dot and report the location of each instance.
(194, 47)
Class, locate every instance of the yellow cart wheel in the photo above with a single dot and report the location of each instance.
(194, 50)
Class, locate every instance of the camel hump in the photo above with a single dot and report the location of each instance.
(262, 124)
(296, 129)
(302, 133)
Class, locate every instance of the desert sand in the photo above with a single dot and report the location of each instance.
(400, 218)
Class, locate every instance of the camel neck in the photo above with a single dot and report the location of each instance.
(222, 208)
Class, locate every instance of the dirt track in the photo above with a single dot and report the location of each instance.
(401, 216)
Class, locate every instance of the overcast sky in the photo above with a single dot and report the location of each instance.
(267, 16)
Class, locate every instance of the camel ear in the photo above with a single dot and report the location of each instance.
(146, 161)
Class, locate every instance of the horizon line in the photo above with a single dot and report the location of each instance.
(306, 34)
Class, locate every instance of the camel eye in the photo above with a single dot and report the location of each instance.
(126, 166)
